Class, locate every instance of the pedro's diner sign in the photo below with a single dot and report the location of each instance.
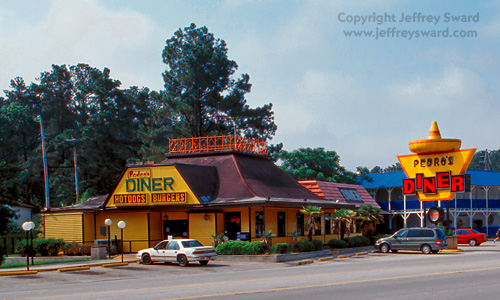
(143, 189)
(437, 169)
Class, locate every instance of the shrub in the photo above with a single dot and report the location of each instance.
(241, 247)
(351, 242)
(304, 246)
(44, 247)
(335, 244)
(361, 241)
(76, 249)
(282, 248)
(318, 245)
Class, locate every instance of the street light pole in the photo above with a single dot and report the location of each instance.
(75, 160)
(28, 226)
(108, 223)
(45, 166)
(122, 225)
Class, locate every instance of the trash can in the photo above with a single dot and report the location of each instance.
(452, 242)
(98, 252)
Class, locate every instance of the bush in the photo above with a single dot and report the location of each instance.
(336, 244)
(282, 248)
(44, 247)
(318, 245)
(304, 246)
(357, 241)
(76, 249)
(241, 247)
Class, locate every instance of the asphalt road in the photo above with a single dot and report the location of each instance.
(471, 274)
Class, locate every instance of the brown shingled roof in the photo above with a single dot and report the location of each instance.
(246, 176)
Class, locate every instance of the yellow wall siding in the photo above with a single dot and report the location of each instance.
(271, 219)
(155, 227)
(220, 223)
(89, 228)
(201, 229)
(135, 234)
(64, 226)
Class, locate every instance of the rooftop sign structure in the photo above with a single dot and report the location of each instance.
(437, 169)
(217, 143)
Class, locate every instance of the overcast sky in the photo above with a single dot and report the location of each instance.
(363, 97)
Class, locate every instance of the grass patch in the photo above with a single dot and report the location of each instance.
(48, 262)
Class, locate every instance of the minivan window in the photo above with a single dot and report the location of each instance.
(420, 233)
(401, 233)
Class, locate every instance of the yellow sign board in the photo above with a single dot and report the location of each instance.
(436, 176)
(152, 185)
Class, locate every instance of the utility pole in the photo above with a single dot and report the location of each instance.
(45, 167)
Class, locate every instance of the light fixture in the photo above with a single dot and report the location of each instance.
(165, 217)
(337, 201)
(206, 217)
(122, 225)
(28, 226)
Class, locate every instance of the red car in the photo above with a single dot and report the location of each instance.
(469, 236)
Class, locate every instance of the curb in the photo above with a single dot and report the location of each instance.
(451, 250)
(362, 253)
(116, 264)
(325, 258)
(304, 262)
(10, 273)
(77, 268)
(344, 256)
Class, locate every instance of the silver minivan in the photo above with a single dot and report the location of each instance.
(427, 240)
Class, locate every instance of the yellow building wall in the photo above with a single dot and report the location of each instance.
(135, 234)
(89, 228)
(201, 229)
(68, 227)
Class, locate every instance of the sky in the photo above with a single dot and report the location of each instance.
(364, 97)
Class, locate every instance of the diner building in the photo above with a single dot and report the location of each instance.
(206, 186)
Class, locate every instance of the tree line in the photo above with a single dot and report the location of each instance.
(84, 109)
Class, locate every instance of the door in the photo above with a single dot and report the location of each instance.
(398, 242)
(171, 251)
(158, 253)
(233, 224)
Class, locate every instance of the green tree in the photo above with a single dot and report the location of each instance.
(369, 216)
(313, 212)
(315, 164)
(202, 93)
(343, 219)
(486, 160)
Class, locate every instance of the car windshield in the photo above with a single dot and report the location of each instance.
(189, 244)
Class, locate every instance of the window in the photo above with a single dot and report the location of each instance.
(401, 233)
(161, 245)
(281, 223)
(300, 223)
(351, 195)
(173, 246)
(259, 223)
(317, 224)
(189, 244)
(328, 224)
